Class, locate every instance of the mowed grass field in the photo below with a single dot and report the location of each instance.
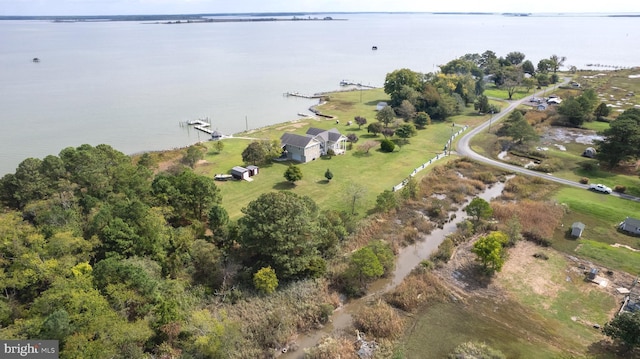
(601, 215)
(375, 171)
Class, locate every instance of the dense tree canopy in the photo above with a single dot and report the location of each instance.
(622, 139)
(518, 128)
(625, 327)
(279, 229)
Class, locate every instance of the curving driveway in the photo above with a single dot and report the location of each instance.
(463, 149)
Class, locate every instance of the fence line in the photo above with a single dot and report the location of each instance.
(404, 182)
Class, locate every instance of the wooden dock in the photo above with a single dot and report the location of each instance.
(297, 94)
(358, 84)
(201, 125)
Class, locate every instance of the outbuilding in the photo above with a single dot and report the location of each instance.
(576, 229)
(630, 225)
(240, 173)
(253, 170)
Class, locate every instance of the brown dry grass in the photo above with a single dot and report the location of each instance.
(541, 218)
(531, 272)
(420, 288)
(379, 320)
(332, 348)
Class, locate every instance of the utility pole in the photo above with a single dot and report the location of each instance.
(490, 118)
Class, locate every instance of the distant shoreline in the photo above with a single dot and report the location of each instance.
(295, 16)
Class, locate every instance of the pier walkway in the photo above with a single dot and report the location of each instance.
(201, 125)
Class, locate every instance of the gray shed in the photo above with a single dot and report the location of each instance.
(576, 229)
(589, 152)
(240, 173)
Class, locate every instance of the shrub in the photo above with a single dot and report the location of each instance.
(419, 288)
(265, 280)
(444, 251)
(584, 180)
(379, 320)
(410, 235)
(330, 348)
(619, 188)
(589, 166)
(387, 145)
(475, 350)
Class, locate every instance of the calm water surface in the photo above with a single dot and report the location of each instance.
(130, 84)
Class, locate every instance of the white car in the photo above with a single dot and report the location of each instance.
(600, 188)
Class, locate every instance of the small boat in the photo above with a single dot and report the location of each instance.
(374, 47)
(35, 59)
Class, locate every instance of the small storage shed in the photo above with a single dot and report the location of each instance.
(240, 173)
(216, 135)
(253, 170)
(576, 229)
(589, 152)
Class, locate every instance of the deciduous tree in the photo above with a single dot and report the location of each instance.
(422, 120)
(625, 327)
(479, 209)
(360, 121)
(265, 280)
(490, 251)
(386, 115)
(375, 128)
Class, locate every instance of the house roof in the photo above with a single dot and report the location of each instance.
(296, 140)
(239, 169)
(632, 222)
(252, 167)
(332, 135)
(578, 225)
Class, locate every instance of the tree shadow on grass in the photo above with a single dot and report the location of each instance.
(324, 181)
(360, 154)
(284, 185)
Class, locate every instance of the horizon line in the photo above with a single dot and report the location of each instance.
(288, 13)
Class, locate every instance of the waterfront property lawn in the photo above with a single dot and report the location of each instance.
(375, 171)
(529, 315)
(601, 214)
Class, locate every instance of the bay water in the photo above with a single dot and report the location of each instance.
(131, 84)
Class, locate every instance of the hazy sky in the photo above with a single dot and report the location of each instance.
(117, 7)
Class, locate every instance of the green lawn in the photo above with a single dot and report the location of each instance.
(375, 171)
(611, 257)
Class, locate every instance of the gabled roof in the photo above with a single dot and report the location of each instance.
(239, 169)
(632, 222)
(296, 140)
(578, 225)
(332, 135)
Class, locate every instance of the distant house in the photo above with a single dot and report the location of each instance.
(554, 100)
(630, 225)
(240, 173)
(317, 142)
(576, 229)
(381, 105)
(300, 148)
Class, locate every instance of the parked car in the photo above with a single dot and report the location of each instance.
(600, 188)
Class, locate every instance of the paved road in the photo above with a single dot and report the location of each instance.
(463, 149)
